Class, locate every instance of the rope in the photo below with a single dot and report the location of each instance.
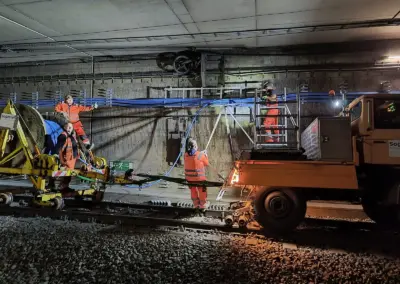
(93, 168)
(147, 185)
(187, 133)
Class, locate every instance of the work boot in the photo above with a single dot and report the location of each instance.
(196, 212)
(202, 212)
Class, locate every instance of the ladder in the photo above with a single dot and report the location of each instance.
(288, 117)
(288, 124)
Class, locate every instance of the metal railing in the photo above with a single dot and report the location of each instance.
(287, 123)
(208, 93)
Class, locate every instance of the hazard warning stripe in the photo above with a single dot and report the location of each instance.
(60, 173)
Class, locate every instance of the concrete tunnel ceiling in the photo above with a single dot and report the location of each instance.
(34, 30)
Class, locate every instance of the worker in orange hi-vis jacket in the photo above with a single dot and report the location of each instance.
(271, 122)
(71, 111)
(67, 153)
(195, 171)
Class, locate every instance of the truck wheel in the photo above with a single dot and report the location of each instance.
(382, 215)
(376, 203)
(279, 210)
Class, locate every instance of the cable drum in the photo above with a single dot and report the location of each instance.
(33, 125)
(39, 132)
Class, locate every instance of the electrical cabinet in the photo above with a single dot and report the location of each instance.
(328, 139)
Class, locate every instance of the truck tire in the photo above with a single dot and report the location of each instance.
(279, 210)
(376, 201)
(380, 214)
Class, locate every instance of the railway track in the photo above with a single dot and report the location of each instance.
(340, 235)
(131, 214)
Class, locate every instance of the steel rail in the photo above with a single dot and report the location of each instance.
(173, 208)
(105, 217)
(113, 219)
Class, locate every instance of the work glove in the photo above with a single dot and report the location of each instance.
(95, 106)
(56, 157)
(204, 152)
(10, 138)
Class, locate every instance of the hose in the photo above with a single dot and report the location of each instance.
(85, 178)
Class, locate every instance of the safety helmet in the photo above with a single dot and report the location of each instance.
(268, 86)
(191, 144)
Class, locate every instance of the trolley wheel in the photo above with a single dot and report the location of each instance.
(6, 199)
(58, 203)
(279, 210)
(11, 196)
(98, 197)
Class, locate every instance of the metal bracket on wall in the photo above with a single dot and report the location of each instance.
(13, 97)
(35, 100)
(109, 97)
(58, 97)
(82, 97)
(203, 69)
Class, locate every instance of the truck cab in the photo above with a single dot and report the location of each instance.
(375, 123)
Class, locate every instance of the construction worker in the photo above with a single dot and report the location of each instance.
(271, 122)
(71, 111)
(67, 149)
(195, 164)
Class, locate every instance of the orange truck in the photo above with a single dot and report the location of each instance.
(353, 155)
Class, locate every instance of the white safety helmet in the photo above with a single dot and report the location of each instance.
(268, 86)
(191, 144)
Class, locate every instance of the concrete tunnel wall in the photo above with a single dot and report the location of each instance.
(143, 138)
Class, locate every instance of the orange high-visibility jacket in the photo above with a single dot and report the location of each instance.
(195, 166)
(72, 111)
(67, 153)
(271, 110)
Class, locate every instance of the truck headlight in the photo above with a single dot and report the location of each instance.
(235, 177)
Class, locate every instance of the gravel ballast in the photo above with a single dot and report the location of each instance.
(39, 250)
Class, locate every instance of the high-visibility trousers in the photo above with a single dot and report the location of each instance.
(199, 196)
(78, 127)
(70, 165)
(271, 122)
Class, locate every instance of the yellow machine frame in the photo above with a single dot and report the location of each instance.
(40, 166)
